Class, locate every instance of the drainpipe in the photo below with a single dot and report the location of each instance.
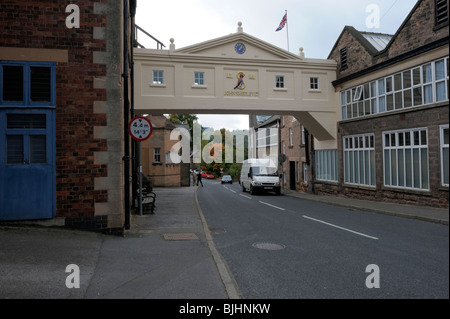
(126, 110)
(134, 145)
(313, 165)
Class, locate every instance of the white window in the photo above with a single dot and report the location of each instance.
(424, 84)
(405, 157)
(199, 78)
(314, 83)
(359, 160)
(157, 155)
(327, 165)
(158, 77)
(279, 81)
(291, 137)
(444, 155)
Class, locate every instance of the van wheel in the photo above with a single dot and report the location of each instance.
(252, 190)
(243, 187)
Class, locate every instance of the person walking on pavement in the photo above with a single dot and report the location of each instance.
(199, 178)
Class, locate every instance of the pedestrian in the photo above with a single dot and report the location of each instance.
(199, 178)
(194, 178)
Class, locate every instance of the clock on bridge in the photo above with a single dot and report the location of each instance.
(240, 48)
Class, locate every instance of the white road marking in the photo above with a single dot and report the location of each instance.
(272, 205)
(245, 196)
(349, 230)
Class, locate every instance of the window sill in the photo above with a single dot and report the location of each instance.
(154, 85)
(314, 91)
(196, 86)
(424, 192)
(280, 89)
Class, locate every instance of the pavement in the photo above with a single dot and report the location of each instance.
(168, 255)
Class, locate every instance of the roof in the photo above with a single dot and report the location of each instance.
(378, 40)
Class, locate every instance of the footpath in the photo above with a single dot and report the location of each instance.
(169, 255)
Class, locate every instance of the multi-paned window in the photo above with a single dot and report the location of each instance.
(444, 155)
(199, 78)
(418, 86)
(327, 165)
(359, 160)
(158, 77)
(405, 157)
(314, 83)
(27, 84)
(157, 155)
(279, 81)
(291, 137)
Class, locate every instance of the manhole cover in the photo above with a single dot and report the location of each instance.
(189, 236)
(269, 246)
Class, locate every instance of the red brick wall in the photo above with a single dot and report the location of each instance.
(42, 24)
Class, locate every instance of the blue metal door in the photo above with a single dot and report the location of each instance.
(27, 164)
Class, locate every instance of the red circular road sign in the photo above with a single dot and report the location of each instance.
(140, 128)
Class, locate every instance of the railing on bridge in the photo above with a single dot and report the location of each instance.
(159, 44)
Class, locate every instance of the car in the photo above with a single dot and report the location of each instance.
(207, 175)
(227, 179)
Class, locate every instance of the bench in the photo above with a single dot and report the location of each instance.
(148, 201)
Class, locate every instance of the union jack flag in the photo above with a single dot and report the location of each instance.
(282, 23)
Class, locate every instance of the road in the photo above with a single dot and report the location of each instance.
(280, 247)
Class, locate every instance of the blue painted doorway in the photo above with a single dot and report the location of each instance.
(27, 164)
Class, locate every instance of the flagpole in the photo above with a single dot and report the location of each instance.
(287, 31)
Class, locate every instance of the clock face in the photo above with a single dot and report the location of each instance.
(240, 48)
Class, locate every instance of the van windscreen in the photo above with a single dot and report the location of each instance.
(264, 171)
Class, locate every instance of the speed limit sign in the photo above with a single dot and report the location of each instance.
(140, 128)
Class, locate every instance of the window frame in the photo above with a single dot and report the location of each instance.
(199, 78)
(352, 151)
(157, 155)
(314, 83)
(280, 82)
(391, 93)
(327, 165)
(344, 58)
(442, 147)
(158, 77)
(439, 5)
(402, 144)
(26, 93)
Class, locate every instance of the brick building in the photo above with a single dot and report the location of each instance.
(296, 167)
(62, 112)
(156, 160)
(393, 136)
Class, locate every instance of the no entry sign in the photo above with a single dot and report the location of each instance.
(140, 128)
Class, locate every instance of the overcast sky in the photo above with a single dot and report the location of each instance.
(314, 25)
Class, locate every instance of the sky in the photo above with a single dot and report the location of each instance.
(314, 25)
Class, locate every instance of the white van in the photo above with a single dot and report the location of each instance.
(260, 175)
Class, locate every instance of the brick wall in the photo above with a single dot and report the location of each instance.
(80, 91)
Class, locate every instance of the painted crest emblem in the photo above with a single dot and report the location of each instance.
(240, 84)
